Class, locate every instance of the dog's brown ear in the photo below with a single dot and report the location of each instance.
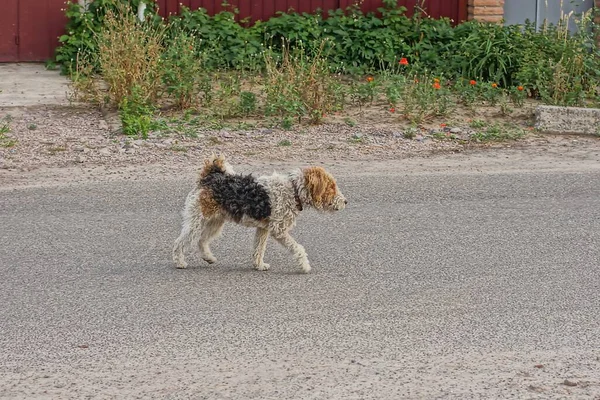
(320, 185)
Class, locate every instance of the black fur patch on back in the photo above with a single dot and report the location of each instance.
(239, 195)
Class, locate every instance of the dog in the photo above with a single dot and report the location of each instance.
(270, 204)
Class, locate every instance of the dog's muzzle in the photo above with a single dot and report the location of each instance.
(339, 203)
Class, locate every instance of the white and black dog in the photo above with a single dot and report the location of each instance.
(268, 203)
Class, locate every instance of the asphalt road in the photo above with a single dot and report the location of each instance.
(433, 285)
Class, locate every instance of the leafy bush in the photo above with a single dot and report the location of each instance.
(82, 27)
(299, 85)
(225, 43)
(137, 114)
(558, 67)
(550, 64)
(182, 71)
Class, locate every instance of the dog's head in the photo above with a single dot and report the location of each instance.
(322, 190)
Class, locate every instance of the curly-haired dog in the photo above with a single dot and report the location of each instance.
(268, 203)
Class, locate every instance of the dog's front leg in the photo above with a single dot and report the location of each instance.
(296, 249)
(260, 244)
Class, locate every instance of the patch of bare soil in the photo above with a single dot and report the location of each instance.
(58, 143)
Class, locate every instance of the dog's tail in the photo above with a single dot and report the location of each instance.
(214, 165)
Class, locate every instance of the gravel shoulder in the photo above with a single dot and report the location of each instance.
(56, 144)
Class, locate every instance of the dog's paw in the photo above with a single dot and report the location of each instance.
(210, 260)
(262, 267)
(181, 265)
(305, 269)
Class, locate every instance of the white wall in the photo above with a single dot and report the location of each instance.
(517, 11)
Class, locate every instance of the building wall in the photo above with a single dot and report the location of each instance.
(539, 11)
(486, 10)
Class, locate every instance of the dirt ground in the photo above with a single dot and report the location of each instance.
(54, 142)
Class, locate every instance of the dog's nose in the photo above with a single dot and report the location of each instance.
(345, 201)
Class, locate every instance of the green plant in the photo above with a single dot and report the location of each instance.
(350, 122)
(424, 98)
(517, 95)
(393, 89)
(356, 138)
(468, 91)
(32, 127)
(4, 126)
(559, 67)
(487, 52)
(5, 141)
(491, 93)
(181, 70)
(130, 55)
(298, 85)
(498, 133)
(478, 124)
(83, 26)
(225, 42)
(247, 104)
(410, 133)
(284, 143)
(137, 114)
(365, 91)
(287, 123)
(444, 136)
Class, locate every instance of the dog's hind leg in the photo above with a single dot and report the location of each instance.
(260, 244)
(296, 249)
(211, 228)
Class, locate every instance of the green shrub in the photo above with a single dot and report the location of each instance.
(182, 71)
(137, 114)
(551, 64)
(558, 67)
(129, 54)
(299, 85)
(80, 42)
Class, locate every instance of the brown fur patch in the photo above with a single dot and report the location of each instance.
(208, 205)
(217, 161)
(321, 186)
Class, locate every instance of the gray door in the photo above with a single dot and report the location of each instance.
(517, 11)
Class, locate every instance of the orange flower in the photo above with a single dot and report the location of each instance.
(437, 86)
(416, 80)
(520, 88)
(443, 125)
(472, 82)
(436, 80)
(370, 79)
(403, 61)
(392, 110)
(494, 85)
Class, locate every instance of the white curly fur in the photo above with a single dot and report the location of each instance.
(282, 189)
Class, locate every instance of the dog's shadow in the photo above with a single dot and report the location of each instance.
(197, 266)
(236, 269)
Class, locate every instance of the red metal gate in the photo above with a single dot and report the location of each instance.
(9, 23)
(29, 29)
(264, 9)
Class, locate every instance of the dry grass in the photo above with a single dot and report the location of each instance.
(299, 85)
(130, 55)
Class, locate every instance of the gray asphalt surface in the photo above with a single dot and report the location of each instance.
(435, 285)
